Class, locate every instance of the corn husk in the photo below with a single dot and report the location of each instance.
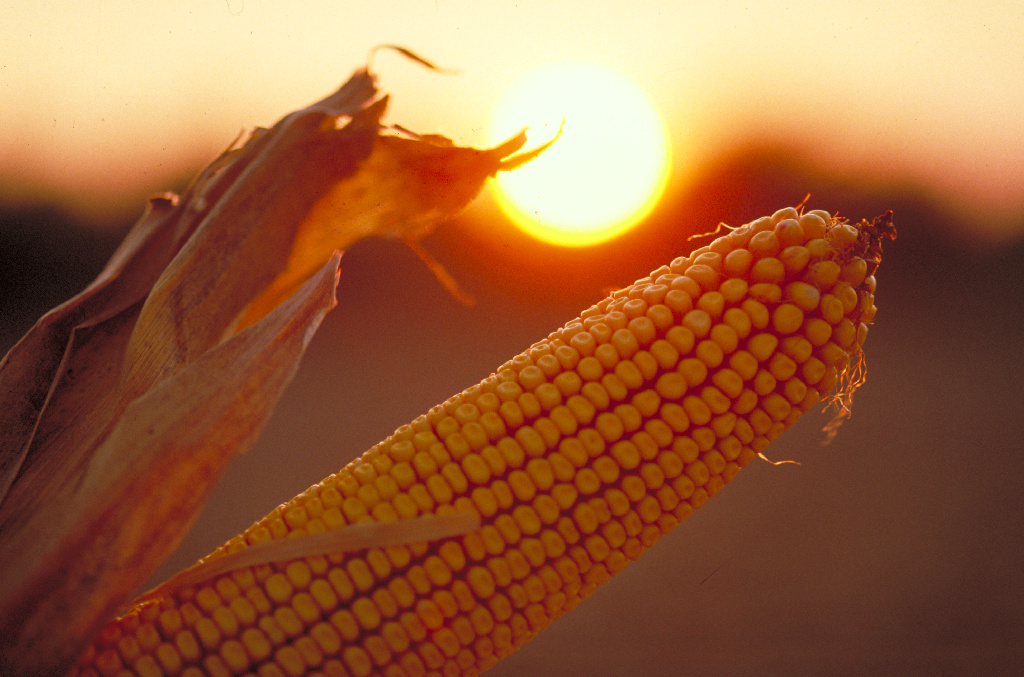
(120, 408)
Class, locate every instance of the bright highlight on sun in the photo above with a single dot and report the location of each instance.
(602, 176)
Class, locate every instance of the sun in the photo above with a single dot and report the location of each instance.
(606, 171)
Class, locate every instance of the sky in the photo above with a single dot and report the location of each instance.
(105, 102)
(894, 550)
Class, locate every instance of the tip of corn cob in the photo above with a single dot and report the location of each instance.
(852, 247)
(576, 455)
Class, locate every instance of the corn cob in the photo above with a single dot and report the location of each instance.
(576, 455)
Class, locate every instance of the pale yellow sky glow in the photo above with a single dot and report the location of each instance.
(104, 100)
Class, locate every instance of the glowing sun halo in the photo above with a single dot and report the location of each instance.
(606, 171)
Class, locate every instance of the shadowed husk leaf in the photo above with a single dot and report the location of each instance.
(121, 407)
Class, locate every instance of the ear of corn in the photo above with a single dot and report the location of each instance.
(576, 455)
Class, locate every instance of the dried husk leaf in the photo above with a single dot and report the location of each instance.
(28, 372)
(127, 510)
(350, 538)
(121, 407)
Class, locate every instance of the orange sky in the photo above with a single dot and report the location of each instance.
(105, 100)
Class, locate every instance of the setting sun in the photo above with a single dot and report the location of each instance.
(605, 172)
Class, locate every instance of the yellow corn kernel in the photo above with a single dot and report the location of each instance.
(768, 271)
(576, 455)
(733, 290)
(764, 293)
(804, 296)
(789, 232)
(787, 318)
(764, 244)
(815, 224)
(737, 263)
(794, 259)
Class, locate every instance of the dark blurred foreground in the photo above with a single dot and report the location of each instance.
(896, 550)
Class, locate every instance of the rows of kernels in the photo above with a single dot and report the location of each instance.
(578, 454)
